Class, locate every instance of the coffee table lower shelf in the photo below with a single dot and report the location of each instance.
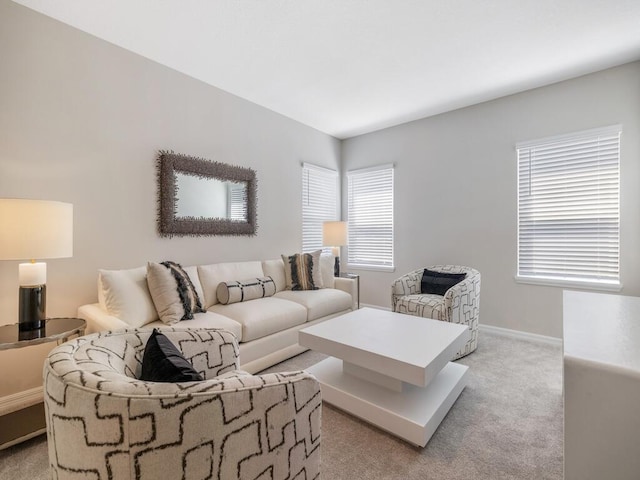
(412, 414)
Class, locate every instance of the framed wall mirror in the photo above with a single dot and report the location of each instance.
(203, 197)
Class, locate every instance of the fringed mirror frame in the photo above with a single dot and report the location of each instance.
(169, 224)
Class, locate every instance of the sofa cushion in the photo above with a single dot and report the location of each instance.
(327, 261)
(275, 270)
(163, 362)
(172, 291)
(124, 294)
(245, 290)
(302, 271)
(303, 266)
(212, 275)
(203, 320)
(263, 316)
(319, 303)
(192, 271)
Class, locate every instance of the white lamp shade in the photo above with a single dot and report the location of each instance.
(34, 229)
(334, 234)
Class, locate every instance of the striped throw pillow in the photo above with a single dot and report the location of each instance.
(301, 266)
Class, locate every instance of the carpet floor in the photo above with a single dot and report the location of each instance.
(506, 424)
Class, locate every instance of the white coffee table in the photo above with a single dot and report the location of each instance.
(390, 369)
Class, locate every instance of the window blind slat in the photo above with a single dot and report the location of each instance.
(569, 207)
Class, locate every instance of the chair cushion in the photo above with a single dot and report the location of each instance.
(439, 282)
(319, 303)
(419, 305)
(163, 362)
(263, 316)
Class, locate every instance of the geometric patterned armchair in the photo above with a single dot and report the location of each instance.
(103, 423)
(459, 304)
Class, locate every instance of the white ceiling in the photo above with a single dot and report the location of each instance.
(348, 67)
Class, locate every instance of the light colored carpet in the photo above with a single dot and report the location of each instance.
(507, 424)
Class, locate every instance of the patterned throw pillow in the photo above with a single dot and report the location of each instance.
(316, 271)
(301, 270)
(163, 362)
(244, 290)
(172, 291)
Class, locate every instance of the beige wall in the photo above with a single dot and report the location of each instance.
(455, 189)
(81, 121)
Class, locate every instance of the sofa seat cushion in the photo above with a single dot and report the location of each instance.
(263, 316)
(319, 303)
(203, 320)
(426, 305)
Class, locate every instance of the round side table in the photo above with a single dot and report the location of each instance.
(55, 330)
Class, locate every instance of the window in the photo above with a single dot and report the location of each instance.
(319, 203)
(370, 210)
(568, 209)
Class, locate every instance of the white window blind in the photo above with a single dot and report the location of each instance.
(237, 201)
(370, 210)
(319, 203)
(568, 208)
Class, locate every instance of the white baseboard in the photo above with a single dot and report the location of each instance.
(362, 305)
(18, 401)
(505, 332)
(533, 337)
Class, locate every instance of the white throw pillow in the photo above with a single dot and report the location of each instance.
(327, 262)
(124, 294)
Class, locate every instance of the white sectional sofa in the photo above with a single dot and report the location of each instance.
(266, 328)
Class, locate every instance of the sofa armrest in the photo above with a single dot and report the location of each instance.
(98, 320)
(349, 285)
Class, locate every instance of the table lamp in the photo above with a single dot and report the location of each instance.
(334, 234)
(29, 230)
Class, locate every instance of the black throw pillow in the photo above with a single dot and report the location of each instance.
(163, 362)
(439, 282)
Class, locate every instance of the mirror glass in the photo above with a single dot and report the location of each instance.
(209, 197)
(203, 197)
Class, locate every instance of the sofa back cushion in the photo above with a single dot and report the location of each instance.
(124, 294)
(327, 261)
(212, 275)
(275, 270)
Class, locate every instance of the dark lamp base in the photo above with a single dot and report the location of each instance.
(336, 267)
(32, 307)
